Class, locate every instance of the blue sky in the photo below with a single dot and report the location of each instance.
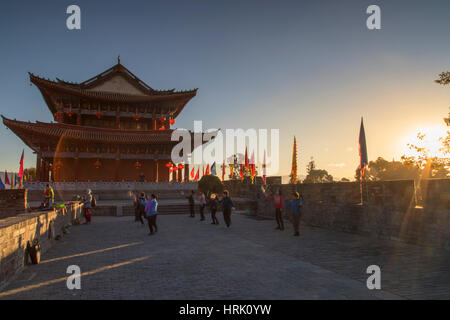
(309, 68)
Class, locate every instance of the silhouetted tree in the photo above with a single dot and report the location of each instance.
(316, 175)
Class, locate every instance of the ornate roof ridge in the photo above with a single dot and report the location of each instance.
(78, 90)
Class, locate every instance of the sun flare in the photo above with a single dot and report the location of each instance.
(431, 141)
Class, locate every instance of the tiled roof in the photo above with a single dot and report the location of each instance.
(77, 90)
(87, 134)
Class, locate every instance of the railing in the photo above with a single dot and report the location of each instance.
(126, 186)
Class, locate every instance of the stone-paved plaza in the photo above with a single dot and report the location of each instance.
(189, 259)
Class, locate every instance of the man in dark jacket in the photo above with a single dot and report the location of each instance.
(227, 206)
(191, 204)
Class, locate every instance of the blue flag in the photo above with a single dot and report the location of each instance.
(362, 149)
(213, 168)
(2, 186)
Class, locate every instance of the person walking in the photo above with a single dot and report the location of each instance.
(49, 196)
(141, 203)
(227, 206)
(213, 204)
(88, 204)
(202, 202)
(191, 204)
(151, 210)
(278, 205)
(296, 207)
(136, 205)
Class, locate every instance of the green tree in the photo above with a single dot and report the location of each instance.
(316, 175)
(433, 166)
(210, 184)
(444, 78)
(382, 169)
(30, 174)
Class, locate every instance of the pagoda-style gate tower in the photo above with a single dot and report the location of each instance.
(112, 127)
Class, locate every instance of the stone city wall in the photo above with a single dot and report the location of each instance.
(12, 202)
(17, 230)
(391, 211)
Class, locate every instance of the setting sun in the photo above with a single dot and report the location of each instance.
(431, 141)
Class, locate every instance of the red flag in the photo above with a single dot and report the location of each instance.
(241, 171)
(207, 169)
(264, 167)
(21, 166)
(252, 164)
(192, 173)
(197, 175)
(7, 178)
(223, 172)
(246, 159)
(362, 150)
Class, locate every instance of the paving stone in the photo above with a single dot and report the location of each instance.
(189, 259)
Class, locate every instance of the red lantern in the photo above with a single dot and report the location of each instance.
(136, 117)
(137, 165)
(97, 164)
(172, 121)
(162, 128)
(99, 115)
(169, 165)
(162, 119)
(58, 165)
(181, 166)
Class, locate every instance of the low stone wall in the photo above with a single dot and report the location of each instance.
(12, 202)
(123, 186)
(16, 231)
(391, 211)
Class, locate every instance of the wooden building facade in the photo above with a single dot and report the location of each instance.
(112, 127)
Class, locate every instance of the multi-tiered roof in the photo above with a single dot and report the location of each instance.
(113, 115)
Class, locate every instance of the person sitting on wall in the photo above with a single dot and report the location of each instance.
(49, 196)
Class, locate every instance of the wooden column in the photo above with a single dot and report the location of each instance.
(117, 119)
(186, 172)
(79, 114)
(39, 168)
(76, 168)
(116, 169)
(46, 170)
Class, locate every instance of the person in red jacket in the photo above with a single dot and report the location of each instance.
(277, 200)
